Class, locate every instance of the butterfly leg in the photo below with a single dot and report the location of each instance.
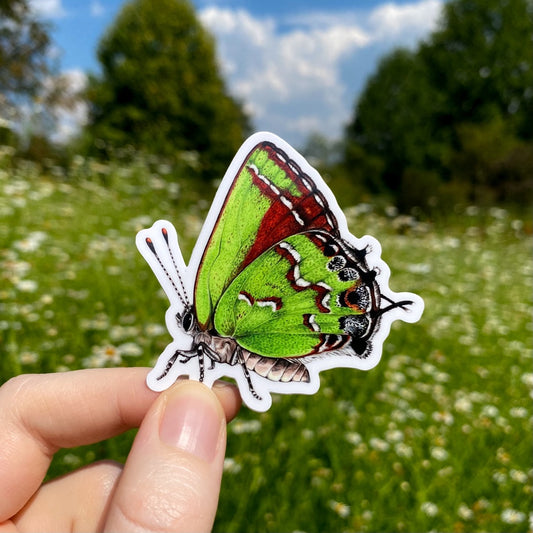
(185, 355)
(201, 361)
(242, 362)
(201, 350)
(170, 363)
(204, 349)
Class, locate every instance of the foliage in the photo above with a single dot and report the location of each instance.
(393, 118)
(491, 158)
(437, 437)
(481, 60)
(24, 45)
(33, 95)
(428, 114)
(160, 88)
(321, 151)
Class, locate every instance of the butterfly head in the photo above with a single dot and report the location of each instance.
(187, 321)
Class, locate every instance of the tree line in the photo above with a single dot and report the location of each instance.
(453, 118)
(449, 121)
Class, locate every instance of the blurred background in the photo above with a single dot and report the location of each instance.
(419, 115)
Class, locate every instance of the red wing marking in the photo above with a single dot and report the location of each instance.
(272, 301)
(288, 214)
(309, 322)
(329, 342)
(298, 283)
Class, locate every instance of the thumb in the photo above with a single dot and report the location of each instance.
(171, 479)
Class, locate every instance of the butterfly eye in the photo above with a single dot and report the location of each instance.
(187, 321)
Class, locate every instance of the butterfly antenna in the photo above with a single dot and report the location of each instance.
(394, 305)
(183, 298)
(165, 235)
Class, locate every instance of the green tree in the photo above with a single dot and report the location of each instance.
(493, 160)
(481, 60)
(160, 89)
(24, 59)
(417, 111)
(393, 120)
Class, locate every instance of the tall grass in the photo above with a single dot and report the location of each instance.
(438, 437)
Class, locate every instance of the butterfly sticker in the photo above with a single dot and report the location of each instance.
(277, 289)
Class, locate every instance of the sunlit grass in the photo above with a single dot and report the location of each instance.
(437, 437)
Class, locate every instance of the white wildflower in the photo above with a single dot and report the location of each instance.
(490, 411)
(297, 413)
(463, 405)
(28, 358)
(394, 435)
(340, 508)
(499, 477)
(231, 466)
(367, 515)
(429, 509)
(130, 349)
(153, 330)
(379, 444)
(353, 438)
(512, 516)
(27, 285)
(518, 476)
(439, 453)
(31, 242)
(443, 417)
(527, 379)
(403, 450)
(464, 512)
(245, 426)
(419, 268)
(102, 356)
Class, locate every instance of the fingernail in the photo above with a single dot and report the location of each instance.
(192, 420)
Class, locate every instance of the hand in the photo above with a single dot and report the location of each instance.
(171, 479)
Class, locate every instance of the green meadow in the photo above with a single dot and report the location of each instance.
(438, 437)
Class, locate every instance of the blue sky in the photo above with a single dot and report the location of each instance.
(297, 65)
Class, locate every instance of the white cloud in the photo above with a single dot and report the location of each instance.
(69, 113)
(71, 118)
(97, 9)
(406, 22)
(77, 80)
(48, 8)
(298, 75)
(289, 72)
(280, 74)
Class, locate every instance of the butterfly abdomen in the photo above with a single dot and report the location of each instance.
(276, 369)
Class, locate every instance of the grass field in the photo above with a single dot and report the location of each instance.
(438, 437)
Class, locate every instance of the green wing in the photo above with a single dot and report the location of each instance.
(269, 199)
(296, 299)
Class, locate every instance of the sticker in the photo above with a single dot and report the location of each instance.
(277, 289)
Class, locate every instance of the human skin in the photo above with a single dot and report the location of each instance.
(171, 478)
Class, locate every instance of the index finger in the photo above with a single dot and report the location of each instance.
(42, 413)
